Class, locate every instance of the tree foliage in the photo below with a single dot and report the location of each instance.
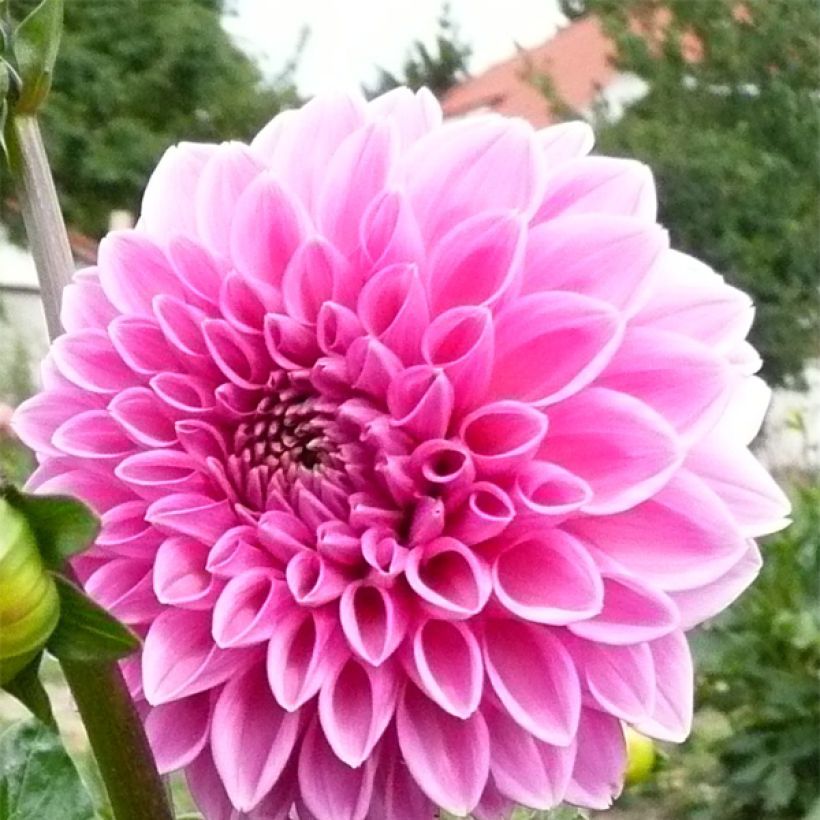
(133, 77)
(439, 68)
(731, 127)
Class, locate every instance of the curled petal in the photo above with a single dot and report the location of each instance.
(393, 308)
(140, 413)
(302, 652)
(412, 114)
(449, 757)
(503, 436)
(461, 342)
(548, 704)
(124, 587)
(372, 366)
(420, 400)
(389, 233)
(183, 395)
(312, 580)
(485, 512)
(443, 464)
(477, 262)
(191, 514)
(141, 344)
(85, 305)
(92, 434)
(36, 419)
(180, 575)
(548, 577)
(549, 492)
(153, 473)
(448, 666)
(337, 327)
(356, 704)
(374, 621)
(235, 552)
(249, 607)
(452, 581)
(235, 355)
(89, 361)
(200, 271)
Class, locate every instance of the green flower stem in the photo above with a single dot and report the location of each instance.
(134, 786)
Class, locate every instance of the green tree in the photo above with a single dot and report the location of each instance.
(439, 68)
(133, 77)
(731, 127)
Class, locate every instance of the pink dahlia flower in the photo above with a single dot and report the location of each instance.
(417, 451)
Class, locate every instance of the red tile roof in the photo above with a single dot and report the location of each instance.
(577, 59)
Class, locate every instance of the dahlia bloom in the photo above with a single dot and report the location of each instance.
(417, 451)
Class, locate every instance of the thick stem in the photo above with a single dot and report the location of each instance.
(114, 729)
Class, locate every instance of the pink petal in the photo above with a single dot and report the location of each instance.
(153, 473)
(683, 381)
(443, 464)
(331, 789)
(701, 603)
(303, 650)
(180, 576)
(565, 141)
(461, 342)
(393, 308)
(476, 262)
(174, 667)
(550, 345)
(92, 434)
(412, 114)
(452, 581)
(597, 778)
(549, 492)
(448, 666)
(133, 270)
(166, 204)
(88, 360)
(671, 719)
(356, 704)
(524, 769)
(371, 366)
(633, 611)
(599, 185)
(471, 166)
(742, 483)
(236, 552)
(207, 790)
(548, 577)
(396, 795)
(485, 512)
(389, 233)
(546, 704)
(623, 450)
(681, 538)
(611, 258)
(225, 176)
(140, 413)
(200, 272)
(374, 621)
(191, 514)
(240, 359)
(124, 587)
(313, 580)
(336, 328)
(85, 305)
(248, 608)
(621, 679)
(36, 419)
(357, 173)
(691, 299)
(420, 399)
(184, 395)
(178, 731)
(251, 738)
(448, 757)
(141, 345)
(268, 226)
(503, 436)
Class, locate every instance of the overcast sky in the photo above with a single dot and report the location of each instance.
(348, 38)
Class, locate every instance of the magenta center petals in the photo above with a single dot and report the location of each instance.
(411, 448)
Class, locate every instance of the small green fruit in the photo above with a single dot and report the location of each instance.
(29, 604)
(640, 752)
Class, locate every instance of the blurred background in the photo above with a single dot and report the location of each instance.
(721, 98)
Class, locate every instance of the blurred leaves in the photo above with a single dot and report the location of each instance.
(38, 781)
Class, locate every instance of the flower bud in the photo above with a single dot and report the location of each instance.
(29, 604)
(640, 753)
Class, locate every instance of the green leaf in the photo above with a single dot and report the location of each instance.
(85, 631)
(38, 780)
(63, 526)
(27, 687)
(36, 42)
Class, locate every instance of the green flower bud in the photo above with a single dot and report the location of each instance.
(640, 753)
(29, 604)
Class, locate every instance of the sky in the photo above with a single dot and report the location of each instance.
(349, 38)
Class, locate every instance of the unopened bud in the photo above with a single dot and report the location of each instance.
(29, 604)
(640, 753)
